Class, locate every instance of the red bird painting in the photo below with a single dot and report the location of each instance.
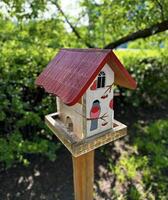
(94, 114)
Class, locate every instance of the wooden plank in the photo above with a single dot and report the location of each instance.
(83, 173)
(79, 146)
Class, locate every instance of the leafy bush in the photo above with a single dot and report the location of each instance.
(152, 141)
(15, 148)
(150, 69)
(22, 106)
(142, 174)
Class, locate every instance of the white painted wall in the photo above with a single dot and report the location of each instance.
(75, 113)
(92, 95)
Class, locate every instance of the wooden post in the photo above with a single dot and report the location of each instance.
(83, 173)
(82, 151)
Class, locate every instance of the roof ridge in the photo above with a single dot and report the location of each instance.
(87, 50)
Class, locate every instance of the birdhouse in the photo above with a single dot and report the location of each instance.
(82, 81)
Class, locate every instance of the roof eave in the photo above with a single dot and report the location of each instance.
(131, 82)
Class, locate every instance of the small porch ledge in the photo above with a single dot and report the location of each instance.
(78, 146)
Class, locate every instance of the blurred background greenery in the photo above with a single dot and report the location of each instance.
(31, 33)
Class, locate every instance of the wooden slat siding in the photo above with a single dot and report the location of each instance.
(72, 71)
(81, 146)
(83, 173)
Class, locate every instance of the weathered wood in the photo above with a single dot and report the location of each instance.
(79, 146)
(83, 173)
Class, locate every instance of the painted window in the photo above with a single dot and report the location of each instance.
(101, 80)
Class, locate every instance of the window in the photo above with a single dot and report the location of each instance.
(101, 80)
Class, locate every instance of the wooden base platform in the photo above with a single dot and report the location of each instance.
(81, 146)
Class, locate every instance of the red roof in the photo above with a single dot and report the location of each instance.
(72, 71)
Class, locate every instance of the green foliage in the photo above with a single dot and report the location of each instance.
(97, 22)
(24, 52)
(133, 193)
(150, 69)
(23, 9)
(152, 141)
(142, 172)
(127, 166)
(16, 148)
(111, 20)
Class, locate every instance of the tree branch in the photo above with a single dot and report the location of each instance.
(101, 117)
(70, 24)
(152, 30)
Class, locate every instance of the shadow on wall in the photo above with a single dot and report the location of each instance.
(69, 124)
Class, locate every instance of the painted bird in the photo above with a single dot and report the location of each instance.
(94, 114)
